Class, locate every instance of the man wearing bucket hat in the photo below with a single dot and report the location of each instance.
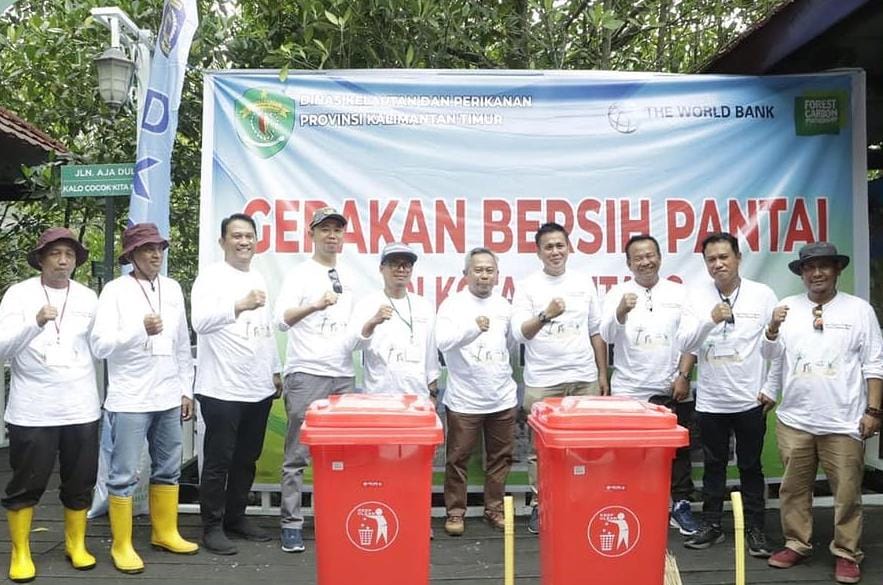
(238, 368)
(832, 388)
(141, 329)
(53, 405)
(395, 330)
(314, 308)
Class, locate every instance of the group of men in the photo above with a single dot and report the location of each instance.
(825, 347)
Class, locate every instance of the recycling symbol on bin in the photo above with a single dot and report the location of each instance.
(372, 526)
(614, 531)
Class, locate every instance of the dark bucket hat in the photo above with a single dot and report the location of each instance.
(814, 251)
(51, 236)
(139, 235)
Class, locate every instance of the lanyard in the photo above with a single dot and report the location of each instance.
(410, 320)
(57, 322)
(727, 299)
(147, 297)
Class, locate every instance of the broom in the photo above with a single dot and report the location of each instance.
(672, 575)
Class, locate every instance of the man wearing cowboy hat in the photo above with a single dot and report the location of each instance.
(53, 406)
(396, 331)
(832, 388)
(141, 329)
(314, 308)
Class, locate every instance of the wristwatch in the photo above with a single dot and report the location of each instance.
(543, 318)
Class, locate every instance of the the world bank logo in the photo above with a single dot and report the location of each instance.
(173, 17)
(264, 121)
(622, 119)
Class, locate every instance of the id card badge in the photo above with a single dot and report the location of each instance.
(160, 345)
(413, 354)
(724, 349)
(58, 355)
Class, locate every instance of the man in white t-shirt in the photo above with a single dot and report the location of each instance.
(832, 388)
(53, 407)
(237, 377)
(723, 328)
(556, 314)
(640, 319)
(314, 307)
(395, 330)
(141, 330)
(473, 331)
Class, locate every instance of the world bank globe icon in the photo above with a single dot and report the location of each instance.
(622, 119)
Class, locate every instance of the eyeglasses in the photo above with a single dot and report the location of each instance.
(648, 299)
(335, 281)
(732, 318)
(817, 322)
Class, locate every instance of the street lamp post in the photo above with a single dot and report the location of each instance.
(127, 58)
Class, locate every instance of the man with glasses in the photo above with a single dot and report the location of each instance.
(556, 314)
(314, 307)
(724, 328)
(832, 388)
(640, 319)
(474, 333)
(395, 330)
(237, 375)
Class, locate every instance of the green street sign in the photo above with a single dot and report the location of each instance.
(97, 180)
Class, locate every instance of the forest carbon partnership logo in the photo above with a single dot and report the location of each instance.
(264, 121)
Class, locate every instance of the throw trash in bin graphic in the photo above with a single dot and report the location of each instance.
(614, 531)
(372, 526)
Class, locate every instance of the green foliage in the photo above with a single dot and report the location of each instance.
(47, 47)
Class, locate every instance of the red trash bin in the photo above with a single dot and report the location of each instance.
(604, 467)
(372, 480)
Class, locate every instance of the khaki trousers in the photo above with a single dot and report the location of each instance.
(534, 394)
(842, 460)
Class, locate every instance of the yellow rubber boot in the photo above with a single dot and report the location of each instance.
(75, 540)
(125, 559)
(21, 567)
(164, 521)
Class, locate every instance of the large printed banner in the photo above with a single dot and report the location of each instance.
(450, 160)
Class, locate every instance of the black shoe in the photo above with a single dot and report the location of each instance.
(533, 525)
(214, 540)
(243, 527)
(707, 535)
(757, 544)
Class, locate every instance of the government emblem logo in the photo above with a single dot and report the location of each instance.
(264, 121)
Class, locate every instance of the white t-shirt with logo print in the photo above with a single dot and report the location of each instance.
(318, 343)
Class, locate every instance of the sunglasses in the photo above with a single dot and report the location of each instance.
(817, 322)
(335, 281)
(648, 299)
(731, 319)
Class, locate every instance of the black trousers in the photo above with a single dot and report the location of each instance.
(234, 438)
(749, 427)
(681, 467)
(32, 454)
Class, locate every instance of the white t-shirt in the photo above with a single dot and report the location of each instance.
(401, 356)
(145, 373)
(318, 343)
(731, 369)
(53, 372)
(646, 352)
(479, 373)
(824, 388)
(562, 351)
(236, 357)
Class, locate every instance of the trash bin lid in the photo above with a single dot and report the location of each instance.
(602, 412)
(371, 419)
(604, 422)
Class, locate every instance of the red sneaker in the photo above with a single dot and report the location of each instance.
(785, 558)
(847, 571)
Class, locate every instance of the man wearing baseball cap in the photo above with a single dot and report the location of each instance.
(314, 307)
(832, 388)
(395, 330)
(141, 329)
(53, 405)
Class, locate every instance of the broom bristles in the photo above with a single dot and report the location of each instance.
(672, 575)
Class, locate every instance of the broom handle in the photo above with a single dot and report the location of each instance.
(739, 522)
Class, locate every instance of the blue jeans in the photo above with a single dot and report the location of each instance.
(163, 433)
